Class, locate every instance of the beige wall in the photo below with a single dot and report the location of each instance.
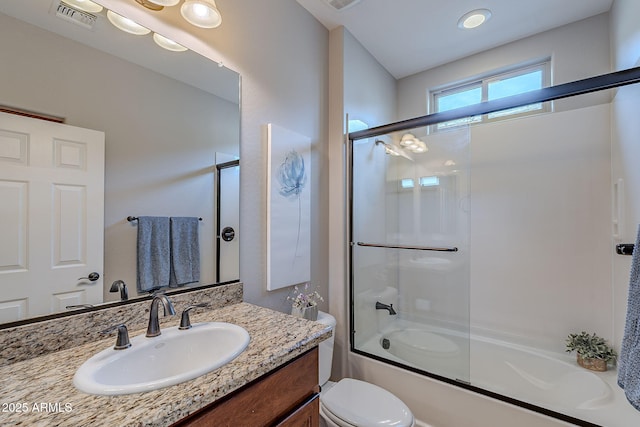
(281, 52)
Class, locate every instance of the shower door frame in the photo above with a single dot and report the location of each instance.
(579, 87)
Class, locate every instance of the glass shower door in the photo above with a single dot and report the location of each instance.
(410, 250)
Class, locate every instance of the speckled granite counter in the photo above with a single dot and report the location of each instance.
(42, 387)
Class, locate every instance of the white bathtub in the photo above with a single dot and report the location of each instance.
(551, 381)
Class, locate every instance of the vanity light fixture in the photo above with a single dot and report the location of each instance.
(168, 44)
(84, 5)
(127, 25)
(201, 13)
(474, 19)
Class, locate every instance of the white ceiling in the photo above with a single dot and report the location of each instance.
(409, 36)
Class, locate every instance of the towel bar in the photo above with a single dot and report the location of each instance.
(625, 249)
(135, 218)
(415, 248)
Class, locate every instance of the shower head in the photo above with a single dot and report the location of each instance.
(393, 150)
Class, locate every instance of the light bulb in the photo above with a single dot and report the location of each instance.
(126, 24)
(201, 13)
(474, 19)
(168, 44)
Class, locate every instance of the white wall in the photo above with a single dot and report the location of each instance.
(540, 227)
(160, 144)
(563, 45)
(502, 180)
(625, 53)
(362, 88)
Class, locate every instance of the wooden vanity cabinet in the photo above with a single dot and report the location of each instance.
(286, 397)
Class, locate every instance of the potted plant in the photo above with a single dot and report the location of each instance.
(593, 352)
(305, 303)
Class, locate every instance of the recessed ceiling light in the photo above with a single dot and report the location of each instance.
(474, 19)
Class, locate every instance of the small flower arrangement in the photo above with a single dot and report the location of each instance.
(305, 298)
(305, 303)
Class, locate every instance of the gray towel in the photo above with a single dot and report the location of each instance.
(629, 360)
(153, 253)
(185, 251)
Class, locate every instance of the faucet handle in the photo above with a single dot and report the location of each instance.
(122, 342)
(185, 322)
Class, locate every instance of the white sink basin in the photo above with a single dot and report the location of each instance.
(153, 363)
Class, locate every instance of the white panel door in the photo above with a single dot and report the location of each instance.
(51, 216)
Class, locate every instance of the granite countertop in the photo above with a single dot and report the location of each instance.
(40, 391)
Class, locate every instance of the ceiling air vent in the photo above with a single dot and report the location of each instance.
(342, 4)
(77, 16)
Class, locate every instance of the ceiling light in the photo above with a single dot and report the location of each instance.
(474, 19)
(165, 2)
(201, 13)
(84, 5)
(126, 24)
(168, 44)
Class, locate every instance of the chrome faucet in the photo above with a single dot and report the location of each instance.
(380, 306)
(153, 330)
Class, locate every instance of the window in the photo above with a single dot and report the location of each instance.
(490, 88)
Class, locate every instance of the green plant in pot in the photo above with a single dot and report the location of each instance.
(593, 352)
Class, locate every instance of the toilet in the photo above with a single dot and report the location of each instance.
(355, 403)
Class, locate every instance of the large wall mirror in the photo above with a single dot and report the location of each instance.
(171, 126)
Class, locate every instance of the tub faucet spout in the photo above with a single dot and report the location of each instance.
(380, 306)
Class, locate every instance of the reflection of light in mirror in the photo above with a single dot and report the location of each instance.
(201, 13)
(168, 44)
(84, 5)
(126, 24)
(449, 163)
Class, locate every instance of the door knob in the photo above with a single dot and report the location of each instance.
(92, 277)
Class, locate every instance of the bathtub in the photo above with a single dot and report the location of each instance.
(547, 380)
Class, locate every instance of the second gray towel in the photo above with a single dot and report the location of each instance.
(629, 360)
(185, 251)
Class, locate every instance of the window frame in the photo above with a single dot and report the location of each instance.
(483, 82)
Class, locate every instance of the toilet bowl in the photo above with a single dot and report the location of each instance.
(354, 403)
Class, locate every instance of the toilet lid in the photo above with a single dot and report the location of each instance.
(366, 405)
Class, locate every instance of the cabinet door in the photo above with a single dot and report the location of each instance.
(305, 416)
(271, 398)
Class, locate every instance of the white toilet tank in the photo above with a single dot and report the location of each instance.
(325, 349)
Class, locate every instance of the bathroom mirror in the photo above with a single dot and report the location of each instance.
(170, 120)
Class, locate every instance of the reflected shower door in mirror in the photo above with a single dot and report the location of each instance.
(164, 116)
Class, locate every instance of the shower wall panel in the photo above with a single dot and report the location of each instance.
(541, 227)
